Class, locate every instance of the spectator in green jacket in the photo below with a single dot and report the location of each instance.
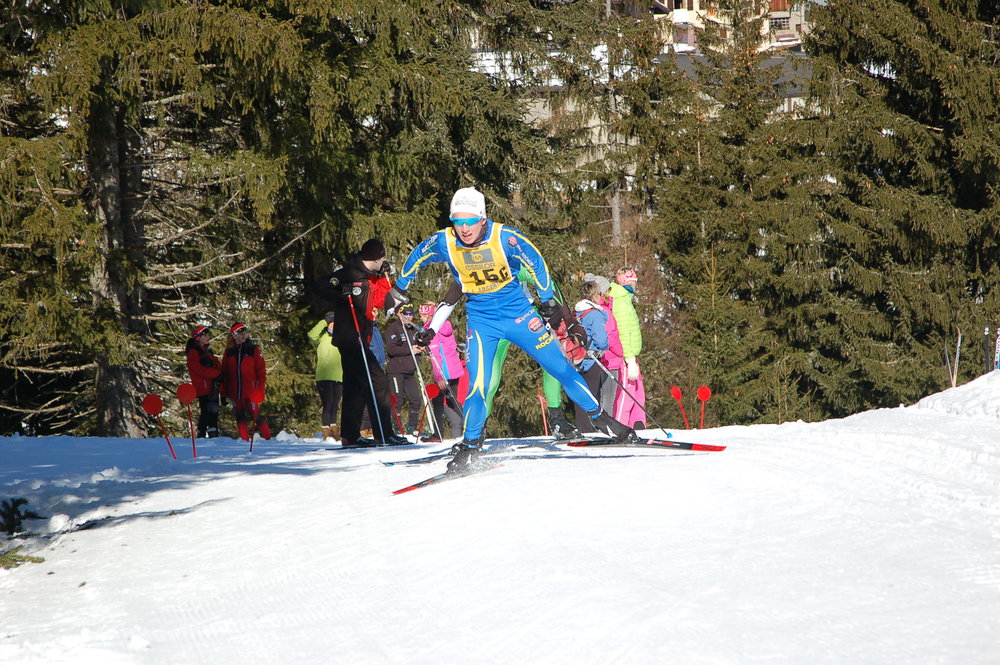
(629, 403)
(329, 375)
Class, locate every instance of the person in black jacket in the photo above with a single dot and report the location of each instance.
(363, 284)
(400, 365)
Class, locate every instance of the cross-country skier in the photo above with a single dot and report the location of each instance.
(485, 257)
(572, 339)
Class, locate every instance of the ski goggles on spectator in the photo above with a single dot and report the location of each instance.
(242, 330)
(465, 221)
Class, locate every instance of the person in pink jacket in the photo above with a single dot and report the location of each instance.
(448, 370)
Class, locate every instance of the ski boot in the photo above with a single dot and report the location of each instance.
(395, 440)
(562, 429)
(360, 442)
(618, 431)
(466, 454)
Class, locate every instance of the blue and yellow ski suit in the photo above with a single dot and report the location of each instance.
(497, 309)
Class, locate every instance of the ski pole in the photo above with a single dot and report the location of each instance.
(420, 377)
(432, 391)
(447, 387)
(395, 413)
(986, 346)
(593, 356)
(958, 353)
(996, 352)
(368, 373)
(675, 391)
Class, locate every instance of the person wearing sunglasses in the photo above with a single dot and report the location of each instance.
(204, 369)
(484, 258)
(244, 370)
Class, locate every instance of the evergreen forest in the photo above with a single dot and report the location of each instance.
(172, 163)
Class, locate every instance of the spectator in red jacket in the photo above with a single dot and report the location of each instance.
(245, 378)
(204, 369)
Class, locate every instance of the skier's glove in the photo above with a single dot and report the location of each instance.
(631, 369)
(386, 269)
(349, 290)
(424, 336)
(394, 299)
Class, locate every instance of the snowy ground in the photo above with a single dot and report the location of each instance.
(872, 539)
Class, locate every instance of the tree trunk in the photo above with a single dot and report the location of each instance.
(116, 278)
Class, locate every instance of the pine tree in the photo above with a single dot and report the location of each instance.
(722, 187)
(907, 128)
(169, 163)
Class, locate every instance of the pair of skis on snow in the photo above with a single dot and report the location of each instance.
(508, 445)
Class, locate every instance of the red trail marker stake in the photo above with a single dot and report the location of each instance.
(675, 391)
(152, 404)
(187, 394)
(704, 394)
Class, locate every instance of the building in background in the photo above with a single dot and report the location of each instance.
(684, 20)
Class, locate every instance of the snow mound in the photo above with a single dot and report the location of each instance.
(978, 398)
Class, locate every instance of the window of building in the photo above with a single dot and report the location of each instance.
(779, 23)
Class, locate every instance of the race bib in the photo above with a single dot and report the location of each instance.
(482, 269)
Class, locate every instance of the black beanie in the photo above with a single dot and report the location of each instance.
(372, 250)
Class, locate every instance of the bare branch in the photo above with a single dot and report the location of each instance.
(51, 370)
(171, 239)
(220, 278)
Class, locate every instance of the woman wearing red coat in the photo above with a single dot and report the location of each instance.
(244, 371)
(205, 370)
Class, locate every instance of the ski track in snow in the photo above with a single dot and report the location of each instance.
(872, 539)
